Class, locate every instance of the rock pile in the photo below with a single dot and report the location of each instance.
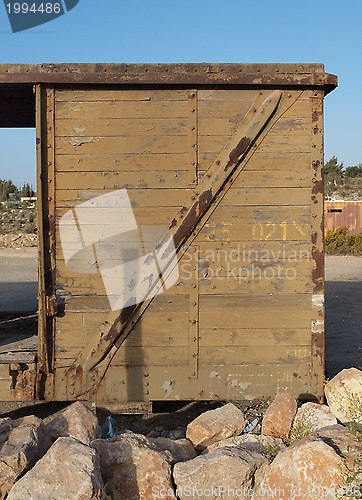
(313, 451)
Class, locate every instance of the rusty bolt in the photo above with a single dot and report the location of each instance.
(146, 375)
(147, 392)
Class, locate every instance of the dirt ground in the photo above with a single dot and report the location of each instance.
(343, 340)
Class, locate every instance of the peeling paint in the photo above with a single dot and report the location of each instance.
(214, 374)
(318, 300)
(317, 326)
(244, 385)
(79, 141)
(168, 387)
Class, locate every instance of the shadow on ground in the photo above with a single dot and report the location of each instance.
(343, 326)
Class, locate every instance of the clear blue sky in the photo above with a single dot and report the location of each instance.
(166, 31)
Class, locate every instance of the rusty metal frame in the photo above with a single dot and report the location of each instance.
(275, 75)
(317, 243)
(46, 227)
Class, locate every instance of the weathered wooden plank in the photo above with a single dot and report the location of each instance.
(122, 162)
(281, 279)
(226, 213)
(273, 218)
(277, 354)
(292, 196)
(70, 127)
(273, 179)
(104, 95)
(255, 312)
(296, 142)
(122, 109)
(138, 356)
(215, 95)
(113, 179)
(270, 160)
(257, 282)
(210, 356)
(219, 337)
(150, 197)
(225, 126)
(121, 145)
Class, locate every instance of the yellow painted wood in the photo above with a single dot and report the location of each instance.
(120, 145)
(150, 197)
(123, 127)
(219, 337)
(125, 109)
(84, 181)
(103, 95)
(255, 311)
(122, 162)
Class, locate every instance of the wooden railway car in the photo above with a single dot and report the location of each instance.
(180, 230)
(341, 213)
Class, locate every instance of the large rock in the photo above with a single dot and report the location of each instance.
(77, 421)
(227, 472)
(215, 425)
(69, 469)
(136, 468)
(311, 417)
(22, 443)
(266, 445)
(180, 449)
(342, 440)
(279, 416)
(310, 470)
(344, 395)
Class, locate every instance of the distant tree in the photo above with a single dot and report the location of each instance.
(27, 191)
(333, 168)
(333, 175)
(355, 171)
(8, 190)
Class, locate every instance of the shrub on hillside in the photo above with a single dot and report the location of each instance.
(337, 242)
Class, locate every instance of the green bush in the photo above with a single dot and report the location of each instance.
(337, 242)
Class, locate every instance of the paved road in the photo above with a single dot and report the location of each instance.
(18, 280)
(343, 313)
(18, 292)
